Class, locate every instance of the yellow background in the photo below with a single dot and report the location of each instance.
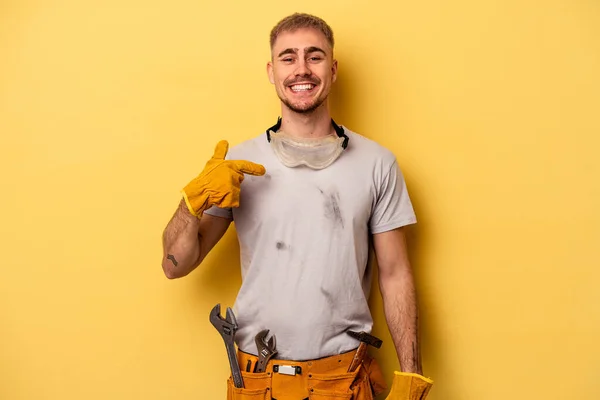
(107, 108)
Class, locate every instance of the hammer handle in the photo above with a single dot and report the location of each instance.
(358, 357)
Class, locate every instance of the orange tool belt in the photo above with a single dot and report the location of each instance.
(323, 379)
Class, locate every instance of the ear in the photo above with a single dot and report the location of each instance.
(270, 72)
(334, 67)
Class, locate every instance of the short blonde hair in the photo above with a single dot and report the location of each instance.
(299, 21)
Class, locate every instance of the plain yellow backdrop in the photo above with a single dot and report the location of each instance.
(108, 108)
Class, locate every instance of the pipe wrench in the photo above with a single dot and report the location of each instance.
(227, 327)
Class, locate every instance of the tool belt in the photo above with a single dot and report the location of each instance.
(323, 379)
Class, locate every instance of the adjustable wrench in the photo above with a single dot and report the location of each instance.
(266, 349)
(227, 328)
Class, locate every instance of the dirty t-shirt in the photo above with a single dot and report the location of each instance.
(304, 245)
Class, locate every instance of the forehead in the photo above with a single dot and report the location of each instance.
(301, 39)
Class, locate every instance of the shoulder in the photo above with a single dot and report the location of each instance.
(368, 150)
(248, 147)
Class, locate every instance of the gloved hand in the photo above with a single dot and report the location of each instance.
(219, 183)
(409, 386)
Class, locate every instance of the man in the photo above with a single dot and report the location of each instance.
(313, 196)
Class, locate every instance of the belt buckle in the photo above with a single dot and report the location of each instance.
(287, 369)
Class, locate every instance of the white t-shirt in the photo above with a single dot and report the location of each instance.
(304, 244)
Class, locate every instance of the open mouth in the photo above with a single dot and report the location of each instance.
(302, 87)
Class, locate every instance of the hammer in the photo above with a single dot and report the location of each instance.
(365, 340)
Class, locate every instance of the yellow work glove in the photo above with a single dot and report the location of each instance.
(409, 386)
(219, 183)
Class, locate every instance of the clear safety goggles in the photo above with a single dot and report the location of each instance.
(315, 153)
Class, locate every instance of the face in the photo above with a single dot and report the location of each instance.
(302, 69)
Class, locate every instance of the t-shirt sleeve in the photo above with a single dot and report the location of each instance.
(393, 208)
(220, 212)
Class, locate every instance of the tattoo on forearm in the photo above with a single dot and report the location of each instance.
(172, 258)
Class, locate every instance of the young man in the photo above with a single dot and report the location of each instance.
(314, 195)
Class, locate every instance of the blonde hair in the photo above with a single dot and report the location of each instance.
(299, 21)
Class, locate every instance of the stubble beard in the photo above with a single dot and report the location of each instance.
(305, 109)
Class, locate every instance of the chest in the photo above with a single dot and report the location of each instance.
(338, 196)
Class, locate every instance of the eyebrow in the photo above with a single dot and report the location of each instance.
(314, 49)
(310, 49)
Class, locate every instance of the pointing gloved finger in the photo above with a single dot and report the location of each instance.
(248, 167)
(221, 150)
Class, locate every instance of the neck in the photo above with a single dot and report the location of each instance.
(311, 125)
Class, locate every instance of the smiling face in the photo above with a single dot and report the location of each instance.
(302, 69)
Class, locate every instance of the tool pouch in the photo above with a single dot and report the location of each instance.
(256, 387)
(357, 385)
(374, 375)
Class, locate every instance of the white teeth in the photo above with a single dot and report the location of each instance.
(298, 88)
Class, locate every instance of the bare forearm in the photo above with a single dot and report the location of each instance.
(400, 307)
(181, 247)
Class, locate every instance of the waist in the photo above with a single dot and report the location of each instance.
(299, 338)
(327, 365)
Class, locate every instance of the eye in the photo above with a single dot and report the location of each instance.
(287, 59)
(315, 58)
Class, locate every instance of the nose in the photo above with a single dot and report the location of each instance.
(302, 68)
